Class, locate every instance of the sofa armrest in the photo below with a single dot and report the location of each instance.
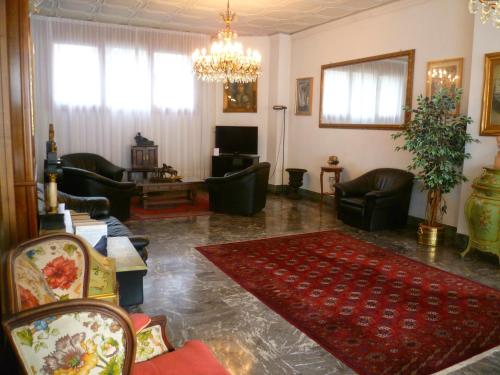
(100, 179)
(96, 207)
(110, 170)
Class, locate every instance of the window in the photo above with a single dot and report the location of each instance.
(127, 79)
(131, 78)
(367, 93)
(76, 73)
(173, 82)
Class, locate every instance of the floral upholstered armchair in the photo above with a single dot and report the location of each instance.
(93, 337)
(58, 267)
(50, 272)
(73, 337)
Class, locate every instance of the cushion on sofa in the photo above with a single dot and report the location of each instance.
(194, 358)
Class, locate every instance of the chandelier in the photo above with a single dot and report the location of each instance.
(490, 9)
(227, 61)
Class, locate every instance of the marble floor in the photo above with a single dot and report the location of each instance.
(201, 302)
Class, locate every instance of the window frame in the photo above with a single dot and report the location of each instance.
(409, 90)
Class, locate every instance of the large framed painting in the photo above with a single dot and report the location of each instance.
(240, 97)
(490, 119)
(303, 96)
(444, 74)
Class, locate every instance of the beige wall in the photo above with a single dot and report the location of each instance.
(436, 29)
(486, 40)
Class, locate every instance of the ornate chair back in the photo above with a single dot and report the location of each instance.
(47, 269)
(81, 336)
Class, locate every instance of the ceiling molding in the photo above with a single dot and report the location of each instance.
(256, 17)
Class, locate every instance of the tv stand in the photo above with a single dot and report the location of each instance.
(226, 163)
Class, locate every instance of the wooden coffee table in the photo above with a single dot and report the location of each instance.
(158, 194)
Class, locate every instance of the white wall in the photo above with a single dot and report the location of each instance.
(436, 29)
(486, 40)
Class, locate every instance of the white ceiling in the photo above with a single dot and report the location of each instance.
(254, 17)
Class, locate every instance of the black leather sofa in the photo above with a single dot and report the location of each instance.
(377, 200)
(97, 208)
(240, 193)
(90, 175)
(93, 163)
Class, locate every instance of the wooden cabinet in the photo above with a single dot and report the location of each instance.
(144, 158)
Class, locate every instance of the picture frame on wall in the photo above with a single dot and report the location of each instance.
(490, 119)
(304, 96)
(240, 97)
(444, 74)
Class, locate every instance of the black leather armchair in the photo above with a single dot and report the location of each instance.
(241, 193)
(377, 200)
(87, 183)
(93, 163)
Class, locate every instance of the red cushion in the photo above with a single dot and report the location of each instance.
(139, 321)
(194, 358)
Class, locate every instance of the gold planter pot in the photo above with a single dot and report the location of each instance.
(429, 235)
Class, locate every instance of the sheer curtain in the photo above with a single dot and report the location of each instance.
(366, 93)
(101, 84)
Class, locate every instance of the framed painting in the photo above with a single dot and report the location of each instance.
(303, 96)
(240, 97)
(444, 74)
(490, 119)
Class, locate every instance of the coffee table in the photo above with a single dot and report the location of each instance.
(155, 194)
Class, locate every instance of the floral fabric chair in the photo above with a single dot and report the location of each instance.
(73, 337)
(61, 260)
(92, 337)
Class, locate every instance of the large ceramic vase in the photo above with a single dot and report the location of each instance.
(483, 213)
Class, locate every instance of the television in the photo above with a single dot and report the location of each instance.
(237, 139)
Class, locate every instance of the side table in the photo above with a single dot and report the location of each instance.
(329, 169)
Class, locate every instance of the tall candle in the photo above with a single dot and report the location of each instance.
(52, 193)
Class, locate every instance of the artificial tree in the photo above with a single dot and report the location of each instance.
(437, 137)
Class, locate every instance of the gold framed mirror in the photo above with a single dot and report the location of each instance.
(367, 93)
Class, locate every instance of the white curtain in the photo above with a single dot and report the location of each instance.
(366, 93)
(100, 84)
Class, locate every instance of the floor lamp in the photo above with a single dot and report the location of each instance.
(283, 133)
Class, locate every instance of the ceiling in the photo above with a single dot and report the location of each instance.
(254, 17)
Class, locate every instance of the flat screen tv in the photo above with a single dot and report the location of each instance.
(237, 139)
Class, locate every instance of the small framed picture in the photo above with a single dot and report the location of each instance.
(444, 74)
(240, 97)
(303, 98)
(490, 119)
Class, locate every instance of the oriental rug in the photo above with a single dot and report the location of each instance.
(377, 311)
(183, 209)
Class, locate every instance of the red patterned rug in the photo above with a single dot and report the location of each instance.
(377, 311)
(201, 207)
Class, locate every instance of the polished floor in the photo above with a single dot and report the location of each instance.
(201, 302)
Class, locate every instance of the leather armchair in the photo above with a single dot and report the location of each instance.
(242, 193)
(94, 163)
(84, 183)
(377, 200)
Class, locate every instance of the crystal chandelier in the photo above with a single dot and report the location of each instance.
(490, 9)
(226, 61)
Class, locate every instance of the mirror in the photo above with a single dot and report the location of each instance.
(367, 93)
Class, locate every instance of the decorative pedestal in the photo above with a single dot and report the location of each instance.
(295, 181)
(483, 213)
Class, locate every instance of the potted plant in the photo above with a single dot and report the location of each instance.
(436, 137)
